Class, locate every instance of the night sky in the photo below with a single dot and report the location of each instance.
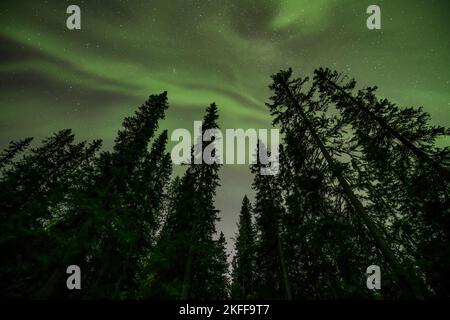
(88, 80)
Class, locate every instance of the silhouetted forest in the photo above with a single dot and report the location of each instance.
(361, 182)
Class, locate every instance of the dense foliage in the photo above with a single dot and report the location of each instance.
(361, 182)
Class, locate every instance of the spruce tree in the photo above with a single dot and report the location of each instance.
(291, 104)
(100, 230)
(187, 256)
(123, 196)
(409, 193)
(272, 278)
(244, 259)
(38, 193)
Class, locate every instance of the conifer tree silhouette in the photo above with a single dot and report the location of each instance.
(186, 257)
(366, 177)
(329, 82)
(80, 208)
(288, 93)
(413, 192)
(204, 218)
(272, 279)
(244, 258)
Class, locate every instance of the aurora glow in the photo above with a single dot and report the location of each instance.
(203, 51)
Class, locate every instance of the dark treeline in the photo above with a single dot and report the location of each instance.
(133, 232)
(361, 182)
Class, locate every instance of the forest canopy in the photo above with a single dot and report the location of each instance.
(361, 182)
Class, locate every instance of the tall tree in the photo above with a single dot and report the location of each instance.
(202, 247)
(288, 94)
(187, 256)
(244, 259)
(79, 206)
(272, 279)
(409, 193)
(326, 249)
(126, 201)
(38, 192)
(217, 279)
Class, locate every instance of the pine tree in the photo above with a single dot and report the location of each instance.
(162, 273)
(217, 282)
(244, 259)
(126, 200)
(143, 204)
(186, 256)
(271, 279)
(38, 192)
(291, 104)
(316, 225)
(409, 193)
(100, 230)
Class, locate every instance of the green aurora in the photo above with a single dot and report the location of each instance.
(204, 51)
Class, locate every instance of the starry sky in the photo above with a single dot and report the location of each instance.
(202, 51)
